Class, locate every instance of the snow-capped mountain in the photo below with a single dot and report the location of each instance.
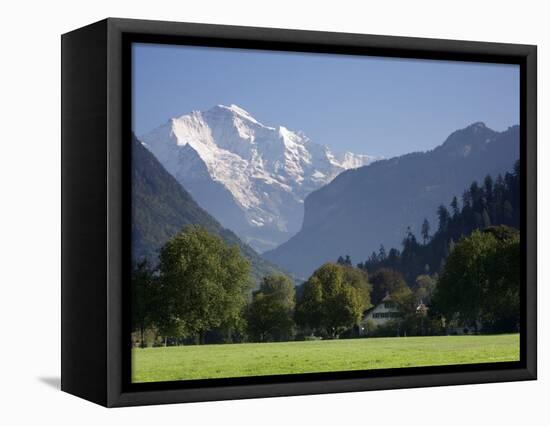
(252, 178)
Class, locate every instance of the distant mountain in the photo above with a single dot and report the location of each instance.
(252, 178)
(161, 207)
(363, 208)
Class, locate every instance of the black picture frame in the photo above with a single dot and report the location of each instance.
(96, 135)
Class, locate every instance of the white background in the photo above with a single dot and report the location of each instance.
(30, 211)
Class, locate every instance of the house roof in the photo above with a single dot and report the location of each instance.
(368, 310)
(387, 298)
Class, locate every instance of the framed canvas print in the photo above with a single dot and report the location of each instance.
(252, 212)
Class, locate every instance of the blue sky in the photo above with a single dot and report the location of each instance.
(370, 105)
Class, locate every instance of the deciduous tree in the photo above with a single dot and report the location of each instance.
(480, 280)
(270, 313)
(204, 282)
(144, 298)
(334, 299)
(385, 281)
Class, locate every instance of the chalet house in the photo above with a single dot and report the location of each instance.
(385, 311)
(388, 310)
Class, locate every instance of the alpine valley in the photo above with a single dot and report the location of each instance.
(301, 205)
(251, 177)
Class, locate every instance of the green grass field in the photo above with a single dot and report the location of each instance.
(258, 359)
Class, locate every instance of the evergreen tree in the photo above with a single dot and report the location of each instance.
(495, 203)
(443, 216)
(454, 207)
(344, 260)
(485, 219)
(488, 188)
(382, 253)
(425, 231)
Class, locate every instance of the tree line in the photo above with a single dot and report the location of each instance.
(200, 292)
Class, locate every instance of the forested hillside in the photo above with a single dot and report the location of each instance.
(491, 202)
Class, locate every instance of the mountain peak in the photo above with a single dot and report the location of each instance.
(260, 175)
(474, 128)
(478, 125)
(235, 110)
(475, 134)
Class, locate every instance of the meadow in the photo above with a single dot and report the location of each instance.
(259, 359)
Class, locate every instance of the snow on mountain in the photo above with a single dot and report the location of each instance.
(251, 177)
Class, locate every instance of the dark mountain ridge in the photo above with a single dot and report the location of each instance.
(374, 204)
